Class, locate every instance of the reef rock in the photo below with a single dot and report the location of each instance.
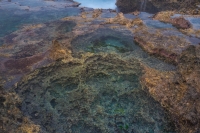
(179, 91)
(179, 22)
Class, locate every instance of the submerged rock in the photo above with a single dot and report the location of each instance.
(179, 22)
(95, 93)
(83, 73)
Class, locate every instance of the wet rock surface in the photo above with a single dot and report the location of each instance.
(101, 71)
(153, 6)
(179, 91)
(12, 119)
(96, 93)
(179, 22)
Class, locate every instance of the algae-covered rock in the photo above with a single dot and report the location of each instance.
(178, 91)
(12, 119)
(179, 22)
(95, 93)
(154, 6)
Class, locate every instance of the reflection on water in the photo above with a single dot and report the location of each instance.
(104, 4)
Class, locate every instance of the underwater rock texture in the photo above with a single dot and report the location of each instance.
(83, 73)
(96, 93)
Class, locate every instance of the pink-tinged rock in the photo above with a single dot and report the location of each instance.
(181, 23)
(22, 65)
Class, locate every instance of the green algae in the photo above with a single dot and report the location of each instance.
(105, 40)
(109, 43)
(101, 94)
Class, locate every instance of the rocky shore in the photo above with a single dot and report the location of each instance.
(104, 71)
(153, 6)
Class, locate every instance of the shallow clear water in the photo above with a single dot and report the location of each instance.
(157, 24)
(102, 4)
(111, 41)
(15, 14)
(195, 22)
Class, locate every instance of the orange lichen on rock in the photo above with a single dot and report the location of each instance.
(12, 119)
(178, 91)
(57, 51)
(96, 13)
(29, 128)
(167, 47)
(191, 31)
(179, 22)
(164, 16)
(120, 19)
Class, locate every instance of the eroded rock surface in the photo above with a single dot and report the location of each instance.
(152, 6)
(96, 93)
(86, 72)
(12, 120)
(178, 91)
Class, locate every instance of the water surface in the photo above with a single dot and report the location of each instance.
(102, 4)
(16, 13)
